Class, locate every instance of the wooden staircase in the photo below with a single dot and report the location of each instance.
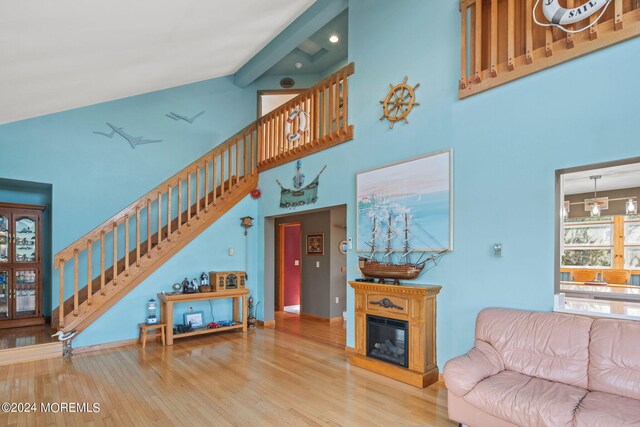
(135, 242)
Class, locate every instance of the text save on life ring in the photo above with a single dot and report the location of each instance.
(302, 124)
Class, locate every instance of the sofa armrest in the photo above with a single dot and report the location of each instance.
(462, 373)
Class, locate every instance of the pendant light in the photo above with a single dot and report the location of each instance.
(595, 207)
(632, 207)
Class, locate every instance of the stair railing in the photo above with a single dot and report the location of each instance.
(317, 117)
(152, 221)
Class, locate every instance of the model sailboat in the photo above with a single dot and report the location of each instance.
(385, 267)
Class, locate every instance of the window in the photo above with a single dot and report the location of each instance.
(632, 242)
(588, 243)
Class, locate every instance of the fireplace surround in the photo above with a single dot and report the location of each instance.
(390, 308)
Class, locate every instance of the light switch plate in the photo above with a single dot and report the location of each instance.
(231, 251)
(317, 264)
(296, 262)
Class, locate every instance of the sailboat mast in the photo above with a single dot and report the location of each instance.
(389, 239)
(407, 249)
(373, 237)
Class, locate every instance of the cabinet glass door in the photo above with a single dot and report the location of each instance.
(25, 293)
(5, 311)
(4, 238)
(25, 238)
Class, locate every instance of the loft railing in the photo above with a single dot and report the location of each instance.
(501, 42)
(122, 251)
(313, 121)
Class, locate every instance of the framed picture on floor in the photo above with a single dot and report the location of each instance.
(315, 244)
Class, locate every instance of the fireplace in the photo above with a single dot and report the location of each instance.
(401, 320)
(387, 340)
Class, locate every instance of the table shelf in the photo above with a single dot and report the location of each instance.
(239, 314)
(207, 331)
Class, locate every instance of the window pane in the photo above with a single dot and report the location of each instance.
(586, 258)
(632, 258)
(632, 233)
(589, 235)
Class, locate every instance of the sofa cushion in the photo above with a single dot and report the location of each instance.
(614, 365)
(552, 346)
(599, 409)
(461, 374)
(526, 401)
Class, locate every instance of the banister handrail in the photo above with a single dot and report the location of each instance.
(81, 243)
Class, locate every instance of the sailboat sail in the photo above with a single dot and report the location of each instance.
(386, 268)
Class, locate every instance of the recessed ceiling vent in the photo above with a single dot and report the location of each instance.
(309, 47)
(287, 83)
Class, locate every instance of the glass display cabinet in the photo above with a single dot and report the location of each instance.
(20, 265)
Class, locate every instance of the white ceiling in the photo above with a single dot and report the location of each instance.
(63, 54)
(613, 178)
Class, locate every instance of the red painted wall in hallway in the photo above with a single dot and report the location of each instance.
(292, 252)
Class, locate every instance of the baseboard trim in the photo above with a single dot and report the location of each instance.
(267, 324)
(321, 319)
(104, 346)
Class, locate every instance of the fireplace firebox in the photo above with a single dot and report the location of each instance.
(387, 340)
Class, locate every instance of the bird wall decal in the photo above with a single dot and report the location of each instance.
(190, 120)
(133, 140)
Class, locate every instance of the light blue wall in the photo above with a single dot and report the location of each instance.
(507, 144)
(207, 252)
(94, 177)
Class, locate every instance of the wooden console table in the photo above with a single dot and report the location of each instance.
(167, 301)
(415, 305)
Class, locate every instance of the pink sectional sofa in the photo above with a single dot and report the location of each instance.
(547, 369)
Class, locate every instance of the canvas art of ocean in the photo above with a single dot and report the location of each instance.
(411, 199)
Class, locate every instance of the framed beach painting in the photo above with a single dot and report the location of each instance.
(406, 206)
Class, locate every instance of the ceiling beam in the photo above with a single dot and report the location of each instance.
(307, 24)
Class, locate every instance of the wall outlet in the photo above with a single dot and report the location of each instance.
(337, 300)
(296, 262)
(231, 251)
(317, 264)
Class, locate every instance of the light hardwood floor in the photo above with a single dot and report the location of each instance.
(25, 336)
(270, 377)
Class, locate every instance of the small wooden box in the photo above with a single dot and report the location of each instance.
(227, 280)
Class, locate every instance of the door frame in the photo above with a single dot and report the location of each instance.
(279, 303)
(275, 92)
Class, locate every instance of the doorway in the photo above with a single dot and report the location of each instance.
(290, 269)
(269, 100)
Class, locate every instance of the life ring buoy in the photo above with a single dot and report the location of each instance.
(559, 16)
(302, 127)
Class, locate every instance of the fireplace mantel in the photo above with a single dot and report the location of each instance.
(414, 304)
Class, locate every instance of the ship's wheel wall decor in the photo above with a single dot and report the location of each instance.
(399, 102)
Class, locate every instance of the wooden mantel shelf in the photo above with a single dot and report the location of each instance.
(414, 304)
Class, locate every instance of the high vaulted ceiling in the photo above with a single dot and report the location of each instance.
(63, 54)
